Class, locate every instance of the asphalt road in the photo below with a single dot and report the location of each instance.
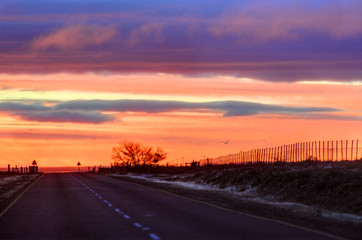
(87, 206)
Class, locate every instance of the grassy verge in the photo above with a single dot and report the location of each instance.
(321, 196)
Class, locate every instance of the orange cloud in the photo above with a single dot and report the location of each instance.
(76, 36)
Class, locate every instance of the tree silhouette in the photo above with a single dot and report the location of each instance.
(132, 154)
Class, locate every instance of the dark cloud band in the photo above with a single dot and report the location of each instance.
(95, 111)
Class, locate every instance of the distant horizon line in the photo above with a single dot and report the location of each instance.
(54, 169)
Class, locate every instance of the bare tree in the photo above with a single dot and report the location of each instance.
(130, 154)
(151, 155)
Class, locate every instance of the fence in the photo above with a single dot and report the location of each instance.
(297, 152)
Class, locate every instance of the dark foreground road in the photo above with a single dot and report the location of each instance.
(86, 206)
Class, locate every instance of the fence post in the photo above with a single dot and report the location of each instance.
(323, 151)
(332, 150)
(346, 150)
(352, 151)
(327, 150)
(357, 150)
(342, 149)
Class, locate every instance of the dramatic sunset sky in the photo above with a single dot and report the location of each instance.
(199, 78)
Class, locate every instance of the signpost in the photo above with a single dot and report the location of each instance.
(78, 164)
(34, 167)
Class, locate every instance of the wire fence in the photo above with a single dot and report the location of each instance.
(344, 150)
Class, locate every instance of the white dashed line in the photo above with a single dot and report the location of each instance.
(137, 225)
(154, 236)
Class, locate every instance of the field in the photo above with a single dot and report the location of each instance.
(324, 196)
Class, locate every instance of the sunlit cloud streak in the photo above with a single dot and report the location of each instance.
(49, 136)
(75, 36)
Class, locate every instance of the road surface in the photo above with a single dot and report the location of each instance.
(88, 206)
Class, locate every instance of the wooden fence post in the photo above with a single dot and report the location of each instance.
(323, 151)
(357, 150)
(342, 149)
(332, 150)
(327, 150)
(352, 151)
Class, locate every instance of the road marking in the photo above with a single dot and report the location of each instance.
(137, 225)
(154, 236)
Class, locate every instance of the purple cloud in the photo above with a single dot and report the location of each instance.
(268, 20)
(266, 40)
(65, 116)
(93, 111)
(41, 113)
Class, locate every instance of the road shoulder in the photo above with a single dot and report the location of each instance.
(15, 189)
(233, 202)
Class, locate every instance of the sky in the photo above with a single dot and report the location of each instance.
(197, 78)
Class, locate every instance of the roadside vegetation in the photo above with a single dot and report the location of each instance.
(321, 195)
(332, 186)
